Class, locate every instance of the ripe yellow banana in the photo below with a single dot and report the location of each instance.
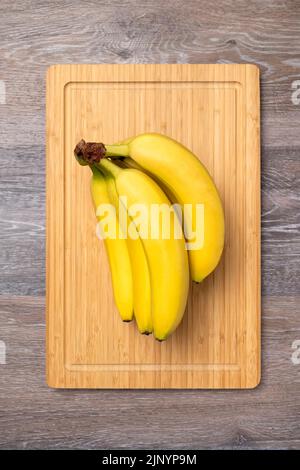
(166, 256)
(139, 266)
(128, 162)
(117, 251)
(187, 180)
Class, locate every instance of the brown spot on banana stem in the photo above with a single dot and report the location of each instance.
(90, 152)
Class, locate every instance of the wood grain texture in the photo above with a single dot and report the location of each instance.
(22, 209)
(214, 111)
(36, 34)
(35, 416)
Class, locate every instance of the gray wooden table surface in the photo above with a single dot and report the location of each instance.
(35, 34)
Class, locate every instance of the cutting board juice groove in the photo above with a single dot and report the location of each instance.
(213, 110)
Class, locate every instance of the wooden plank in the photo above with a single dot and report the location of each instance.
(265, 33)
(34, 35)
(222, 321)
(266, 417)
(22, 221)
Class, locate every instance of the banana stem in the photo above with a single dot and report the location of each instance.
(95, 170)
(109, 166)
(117, 150)
(89, 153)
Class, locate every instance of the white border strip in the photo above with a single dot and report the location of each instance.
(2, 92)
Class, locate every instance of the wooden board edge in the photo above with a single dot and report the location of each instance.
(253, 140)
(54, 140)
(70, 71)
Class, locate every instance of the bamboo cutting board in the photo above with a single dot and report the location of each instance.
(213, 110)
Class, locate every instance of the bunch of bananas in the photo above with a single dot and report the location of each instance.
(151, 273)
